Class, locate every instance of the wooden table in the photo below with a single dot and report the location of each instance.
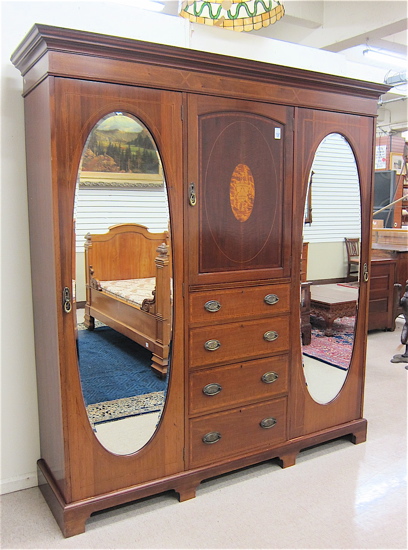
(331, 302)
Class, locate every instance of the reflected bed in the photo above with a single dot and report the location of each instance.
(128, 280)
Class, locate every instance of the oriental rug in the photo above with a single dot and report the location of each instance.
(123, 408)
(333, 350)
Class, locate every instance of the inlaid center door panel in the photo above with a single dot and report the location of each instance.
(239, 192)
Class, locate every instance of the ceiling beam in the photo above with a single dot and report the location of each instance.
(370, 36)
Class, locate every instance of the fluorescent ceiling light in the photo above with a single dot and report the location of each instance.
(385, 57)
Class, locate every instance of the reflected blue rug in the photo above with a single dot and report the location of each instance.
(113, 367)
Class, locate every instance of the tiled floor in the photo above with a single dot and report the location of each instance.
(338, 495)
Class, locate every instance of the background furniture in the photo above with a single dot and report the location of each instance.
(353, 258)
(237, 393)
(303, 262)
(389, 185)
(305, 324)
(382, 304)
(392, 243)
(385, 192)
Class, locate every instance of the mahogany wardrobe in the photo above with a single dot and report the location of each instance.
(236, 140)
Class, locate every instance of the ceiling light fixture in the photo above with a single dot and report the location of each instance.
(233, 14)
(385, 57)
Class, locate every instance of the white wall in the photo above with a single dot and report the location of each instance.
(20, 449)
(326, 261)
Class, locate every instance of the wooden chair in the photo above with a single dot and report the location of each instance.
(353, 258)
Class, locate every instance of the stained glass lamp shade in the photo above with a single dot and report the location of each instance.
(233, 14)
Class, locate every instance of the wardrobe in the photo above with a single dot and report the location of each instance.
(236, 140)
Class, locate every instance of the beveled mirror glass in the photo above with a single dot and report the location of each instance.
(329, 289)
(123, 282)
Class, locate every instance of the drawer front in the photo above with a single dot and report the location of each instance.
(234, 342)
(240, 384)
(237, 431)
(226, 305)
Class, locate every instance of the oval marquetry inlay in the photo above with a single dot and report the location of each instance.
(242, 192)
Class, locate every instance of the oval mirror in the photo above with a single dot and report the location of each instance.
(330, 267)
(123, 282)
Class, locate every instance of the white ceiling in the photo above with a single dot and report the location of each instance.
(342, 26)
(347, 27)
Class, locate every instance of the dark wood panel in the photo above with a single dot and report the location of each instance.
(241, 176)
(45, 284)
(378, 305)
(399, 256)
(382, 294)
(243, 238)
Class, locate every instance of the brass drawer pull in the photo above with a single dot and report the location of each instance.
(270, 335)
(267, 423)
(212, 345)
(211, 438)
(212, 389)
(269, 377)
(271, 299)
(212, 306)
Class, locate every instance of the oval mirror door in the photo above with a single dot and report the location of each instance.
(330, 268)
(123, 282)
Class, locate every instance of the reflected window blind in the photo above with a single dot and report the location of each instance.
(98, 209)
(335, 193)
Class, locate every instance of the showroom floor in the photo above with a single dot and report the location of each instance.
(338, 495)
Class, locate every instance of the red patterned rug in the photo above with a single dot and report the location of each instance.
(334, 350)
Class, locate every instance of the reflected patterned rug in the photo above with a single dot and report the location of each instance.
(333, 350)
(117, 381)
(122, 408)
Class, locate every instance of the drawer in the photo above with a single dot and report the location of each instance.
(226, 305)
(240, 384)
(237, 431)
(232, 342)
